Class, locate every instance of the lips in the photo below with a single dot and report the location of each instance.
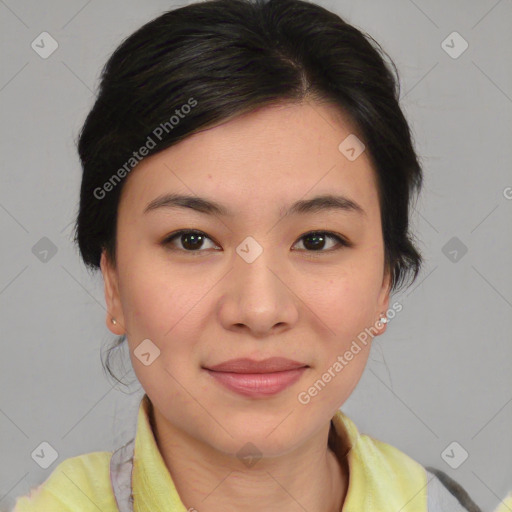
(245, 365)
(257, 379)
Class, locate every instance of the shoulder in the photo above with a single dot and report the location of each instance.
(77, 483)
(443, 493)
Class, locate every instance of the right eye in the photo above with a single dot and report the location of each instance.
(190, 240)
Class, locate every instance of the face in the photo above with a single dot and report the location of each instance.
(256, 283)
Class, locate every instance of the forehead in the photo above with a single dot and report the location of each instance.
(265, 159)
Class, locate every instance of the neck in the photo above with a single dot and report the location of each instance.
(311, 477)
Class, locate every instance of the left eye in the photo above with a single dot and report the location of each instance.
(191, 240)
(317, 238)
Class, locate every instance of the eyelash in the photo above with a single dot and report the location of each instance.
(343, 242)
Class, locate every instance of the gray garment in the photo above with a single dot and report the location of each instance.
(440, 499)
(444, 493)
(121, 466)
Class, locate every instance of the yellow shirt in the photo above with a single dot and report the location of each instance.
(381, 477)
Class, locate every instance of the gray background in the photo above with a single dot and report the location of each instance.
(442, 371)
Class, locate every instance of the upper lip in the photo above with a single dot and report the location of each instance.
(245, 365)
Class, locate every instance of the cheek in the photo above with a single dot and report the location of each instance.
(159, 309)
(355, 306)
(162, 306)
(153, 298)
(346, 302)
(348, 309)
(146, 304)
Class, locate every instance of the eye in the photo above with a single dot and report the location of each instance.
(190, 239)
(316, 241)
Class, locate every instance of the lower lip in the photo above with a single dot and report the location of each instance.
(258, 384)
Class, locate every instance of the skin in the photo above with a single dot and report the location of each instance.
(202, 309)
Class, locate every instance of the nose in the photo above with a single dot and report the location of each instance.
(259, 298)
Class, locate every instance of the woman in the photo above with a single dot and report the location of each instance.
(247, 179)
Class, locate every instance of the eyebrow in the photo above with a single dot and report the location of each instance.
(326, 202)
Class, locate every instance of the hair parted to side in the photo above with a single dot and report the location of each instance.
(224, 58)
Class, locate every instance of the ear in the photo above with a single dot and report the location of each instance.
(112, 299)
(383, 300)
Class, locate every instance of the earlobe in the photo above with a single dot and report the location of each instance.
(114, 319)
(383, 303)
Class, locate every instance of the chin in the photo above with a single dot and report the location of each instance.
(267, 437)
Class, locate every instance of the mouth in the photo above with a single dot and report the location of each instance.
(255, 379)
(245, 365)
